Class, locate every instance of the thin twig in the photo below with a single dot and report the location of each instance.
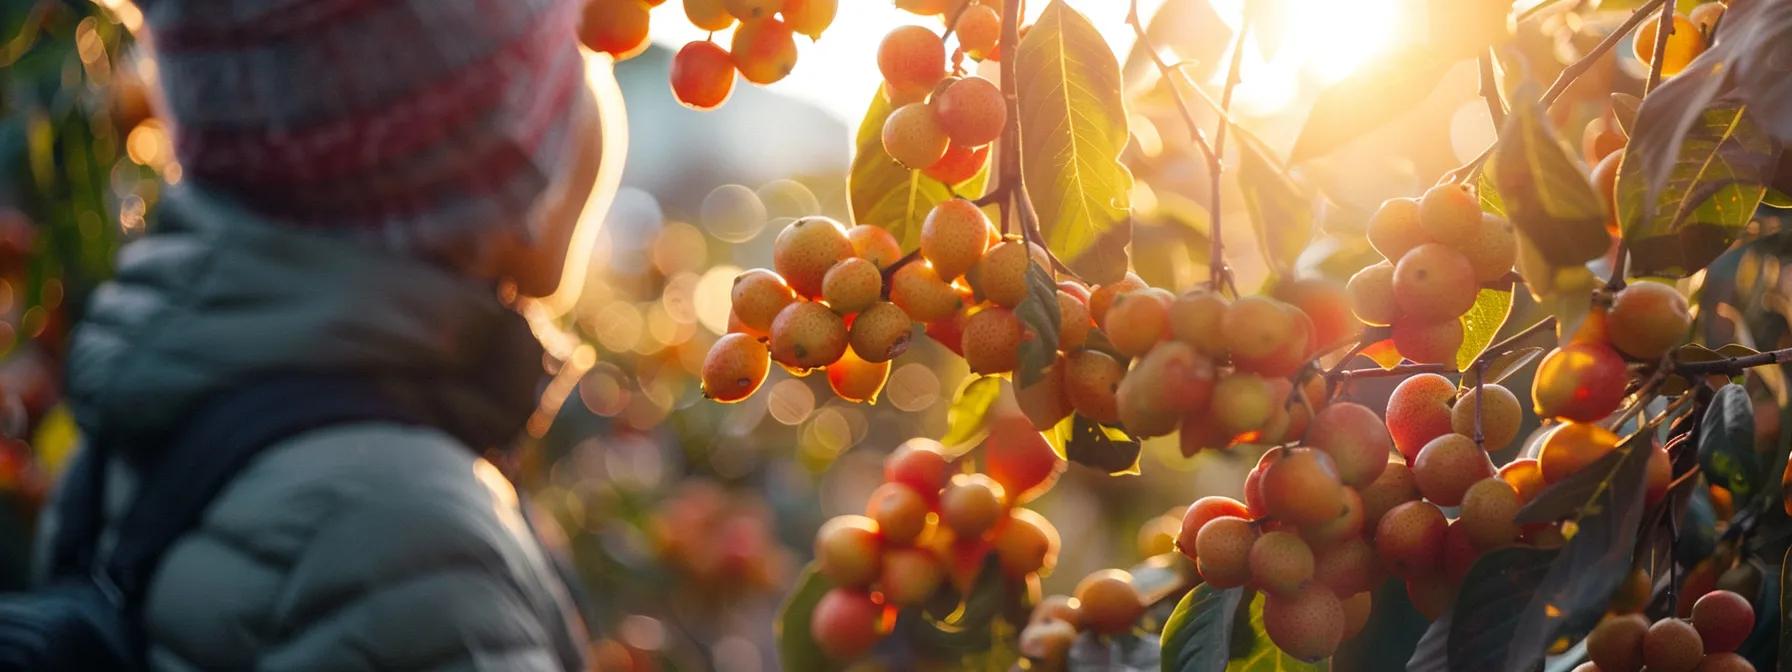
(1490, 91)
(1734, 365)
(1493, 351)
(1216, 255)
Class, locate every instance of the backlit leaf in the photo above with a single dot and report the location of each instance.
(1109, 449)
(1544, 192)
(1039, 312)
(797, 650)
(1281, 209)
(1706, 193)
(884, 193)
(1482, 322)
(965, 419)
(1727, 444)
(1372, 95)
(1073, 127)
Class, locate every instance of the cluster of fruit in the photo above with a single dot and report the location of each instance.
(720, 542)
(1721, 621)
(927, 529)
(942, 125)
(1439, 250)
(1105, 602)
(763, 48)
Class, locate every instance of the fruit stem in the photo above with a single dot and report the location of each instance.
(1490, 90)
(1734, 365)
(1504, 346)
(1216, 257)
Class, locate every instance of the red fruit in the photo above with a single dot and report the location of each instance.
(1303, 489)
(920, 464)
(1410, 539)
(1307, 624)
(1019, 458)
(1580, 381)
(1203, 510)
(1356, 439)
(959, 164)
(846, 623)
(615, 27)
(702, 75)
(1419, 411)
(1723, 619)
(971, 110)
(911, 58)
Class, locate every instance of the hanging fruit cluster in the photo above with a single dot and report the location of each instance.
(1721, 621)
(762, 50)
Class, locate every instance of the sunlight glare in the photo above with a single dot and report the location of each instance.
(1299, 44)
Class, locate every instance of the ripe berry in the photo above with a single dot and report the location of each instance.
(1572, 446)
(1395, 486)
(1684, 44)
(1356, 439)
(1525, 475)
(1450, 214)
(846, 623)
(1579, 381)
(1256, 326)
(953, 237)
(960, 163)
(1434, 282)
(615, 27)
(1500, 420)
(1138, 320)
(1103, 295)
(1489, 509)
(978, 29)
(1280, 562)
(971, 504)
(1223, 551)
(1346, 525)
(1459, 552)
(874, 244)
(805, 251)
(971, 110)
(913, 138)
(1428, 342)
(1410, 539)
(1430, 595)
(1723, 619)
(900, 512)
(1108, 602)
(851, 285)
(1660, 474)
(1026, 543)
(1672, 645)
(807, 335)
(810, 17)
(1091, 379)
(1047, 640)
(921, 465)
(949, 331)
(1605, 187)
(764, 50)
(1307, 624)
(1447, 466)
(1290, 354)
(1001, 275)
(1243, 402)
(1195, 319)
(708, 15)
(1647, 319)
(1062, 608)
(1372, 295)
(912, 59)
(848, 550)
(1073, 322)
(747, 10)
(1203, 510)
(991, 340)
(1419, 411)
(1394, 228)
(1357, 609)
(734, 368)
(856, 380)
(880, 333)
(920, 292)
(702, 75)
(1348, 567)
(1020, 459)
(1167, 384)
(1724, 662)
(910, 576)
(1302, 488)
(1327, 304)
(1493, 250)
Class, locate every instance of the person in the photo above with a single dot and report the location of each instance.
(365, 189)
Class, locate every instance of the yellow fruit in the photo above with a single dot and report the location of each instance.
(1243, 402)
(747, 10)
(1684, 44)
(912, 60)
(1073, 322)
(1103, 295)
(848, 550)
(851, 285)
(913, 137)
(880, 333)
(1091, 380)
(991, 341)
(874, 244)
(971, 504)
(1450, 214)
(734, 368)
(1223, 551)
(1447, 466)
(856, 380)
(1170, 382)
(709, 15)
(806, 250)
(1255, 327)
(953, 237)
(1392, 488)
(1138, 320)
(1500, 420)
(1394, 229)
(1647, 319)
(810, 17)
(1026, 543)
(1195, 319)
(764, 50)
(1493, 249)
(1434, 282)
(1001, 275)
(1302, 488)
(1489, 510)
(1571, 446)
(1428, 342)
(978, 29)
(1372, 295)
(807, 335)
(758, 295)
(922, 294)
(1109, 604)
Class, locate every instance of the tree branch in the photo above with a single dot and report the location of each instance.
(1490, 91)
(1492, 352)
(1734, 365)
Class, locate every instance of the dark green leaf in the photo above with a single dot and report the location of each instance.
(967, 629)
(1262, 655)
(1679, 211)
(1039, 312)
(1727, 444)
(797, 650)
(1481, 323)
(1373, 95)
(1475, 633)
(1545, 194)
(965, 426)
(1281, 209)
(1073, 127)
(1197, 637)
(884, 193)
(1106, 448)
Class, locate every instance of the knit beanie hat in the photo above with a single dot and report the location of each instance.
(421, 126)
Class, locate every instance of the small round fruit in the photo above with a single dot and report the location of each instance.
(758, 295)
(1347, 525)
(806, 250)
(910, 576)
(1672, 645)
(1091, 380)
(991, 341)
(912, 59)
(971, 110)
(959, 164)
(922, 294)
(615, 27)
(1256, 326)
(1579, 381)
(1195, 320)
(1489, 513)
(1108, 602)
(1243, 402)
(1347, 568)
(1428, 342)
(1647, 319)
(1163, 387)
(1605, 186)
(1044, 402)
(978, 29)
(953, 236)
(852, 285)
(1724, 662)
(1525, 475)
(848, 550)
(1372, 295)
(1356, 439)
(1001, 276)
(913, 137)
(1447, 466)
(1659, 475)
(1307, 624)
(1056, 608)
(702, 75)
(1571, 446)
(1450, 214)
(1103, 295)
(1138, 320)
(708, 15)
(1327, 304)
(874, 244)
(810, 17)
(1500, 419)
(856, 380)
(1706, 15)
(1357, 609)
(1616, 644)
(1073, 322)
(1684, 44)
(846, 623)
(1394, 229)
(807, 335)
(1434, 282)
(921, 465)
(1026, 543)
(1303, 489)
(900, 512)
(747, 10)
(1048, 640)
(1419, 411)
(1723, 619)
(1223, 551)
(1394, 487)
(734, 368)
(1493, 250)
(764, 50)
(971, 504)
(1203, 510)
(1020, 459)
(880, 333)
(1281, 562)
(1410, 539)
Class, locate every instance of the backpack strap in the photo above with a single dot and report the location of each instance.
(224, 435)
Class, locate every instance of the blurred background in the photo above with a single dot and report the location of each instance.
(688, 519)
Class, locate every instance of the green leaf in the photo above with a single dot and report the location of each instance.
(1544, 279)
(1545, 194)
(1727, 444)
(1490, 193)
(884, 193)
(969, 628)
(797, 650)
(965, 426)
(1481, 323)
(1474, 634)
(1197, 637)
(1073, 127)
(1262, 655)
(1039, 312)
(1373, 95)
(1131, 652)
(1109, 449)
(1281, 209)
(1680, 211)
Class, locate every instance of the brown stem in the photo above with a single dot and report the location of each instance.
(1734, 365)
(1490, 91)
(1216, 254)
(1495, 350)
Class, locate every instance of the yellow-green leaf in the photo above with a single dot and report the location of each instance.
(1073, 127)
(965, 425)
(884, 193)
(1482, 321)
(1281, 208)
(1680, 211)
(1544, 192)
